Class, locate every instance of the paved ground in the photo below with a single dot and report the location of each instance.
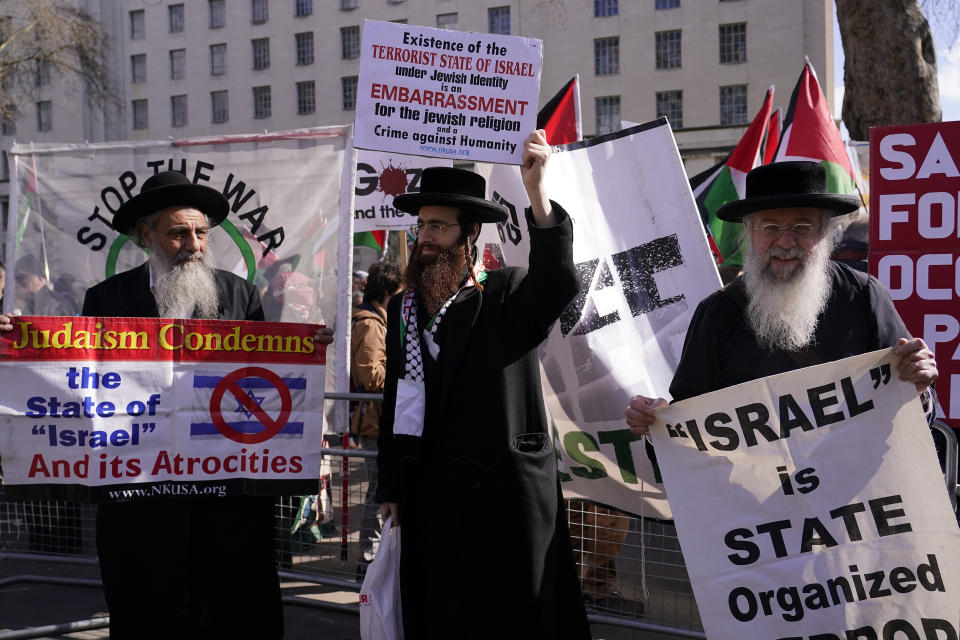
(30, 604)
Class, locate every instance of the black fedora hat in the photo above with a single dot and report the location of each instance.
(451, 187)
(788, 184)
(170, 189)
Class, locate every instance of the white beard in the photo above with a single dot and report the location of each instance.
(784, 313)
(184, 289)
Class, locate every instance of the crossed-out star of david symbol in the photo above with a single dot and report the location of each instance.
(242, 409)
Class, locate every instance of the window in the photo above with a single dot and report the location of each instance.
(306, 97)
(733, 105)
(218, 59)
(261, 53)
(178, 63)
(446, 21)
(350, 42)
(606, 56)
(8, 126)
(44, 115)
(303, 8)
(140, 115)
(666, 4)
(498, 20)
(607, 114)
(218, 14)
(670, 104)
(349, 85)
(176, 18)
(604, 8)
(304, 47)
(137, 30)
(178, 111)
(346, 5)
(41, 75)
(259, 11)
(138, 68)
(261, 102)
(733, 43)
(668, 49)
(220, 106)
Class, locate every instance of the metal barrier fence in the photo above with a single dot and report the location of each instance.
(318, 540)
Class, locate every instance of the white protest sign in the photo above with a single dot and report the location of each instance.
(644, 265)
(448, 94)
(109, 409)
(380, 178)
(810, 504)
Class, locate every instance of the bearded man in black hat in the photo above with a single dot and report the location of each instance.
(792, 307)
(466, 463)
(195, 567)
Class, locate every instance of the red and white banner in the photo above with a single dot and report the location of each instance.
(109, 409)
(914, 227)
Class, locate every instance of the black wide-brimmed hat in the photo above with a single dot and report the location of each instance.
(788, 184)
(451, 187)
(170, 189)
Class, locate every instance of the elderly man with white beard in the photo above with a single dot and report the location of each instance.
(196, 567)
(793, 307)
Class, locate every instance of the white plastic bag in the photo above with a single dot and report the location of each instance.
(380, 615)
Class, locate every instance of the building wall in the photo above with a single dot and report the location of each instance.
(779, 34)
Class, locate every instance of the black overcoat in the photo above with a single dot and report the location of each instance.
(485, 546)
(195, 568)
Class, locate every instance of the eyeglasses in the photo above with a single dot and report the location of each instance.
(776, 230)
(433, 227)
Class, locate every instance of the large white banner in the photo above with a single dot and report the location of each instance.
(287, 231)
(447, 94)
(811, 505)
(644, 265)
(380, 178)
(111, 409)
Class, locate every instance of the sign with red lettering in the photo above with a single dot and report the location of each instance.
(381, 177)
(118, 409)
(914, 231)
(446, 94)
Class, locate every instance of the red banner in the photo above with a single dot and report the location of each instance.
(914, 231)
(158, 339)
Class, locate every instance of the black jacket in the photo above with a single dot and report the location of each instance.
(486, 550)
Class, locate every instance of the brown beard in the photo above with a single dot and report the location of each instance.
(436, 278)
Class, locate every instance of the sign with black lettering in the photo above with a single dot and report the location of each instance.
(914, 231)
(644, 264)
(380, 178)
(811, 505)
(446, 94)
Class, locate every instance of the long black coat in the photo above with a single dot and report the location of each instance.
(485, 546)
(196, 568)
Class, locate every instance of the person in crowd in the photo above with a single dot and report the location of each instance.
(792, 307)
(35, 297)
(598, 533)
(368, 368)
(194, 567)
(358, 283)
(466, 465)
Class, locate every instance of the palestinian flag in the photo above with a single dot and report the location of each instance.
(809, 133)
(726, 182)
(561, 116)
(376, 240)
(773, 136)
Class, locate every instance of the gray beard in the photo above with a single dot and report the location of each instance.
(784, 313)
(184, 289)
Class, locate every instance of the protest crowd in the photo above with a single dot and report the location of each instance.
(465, 463)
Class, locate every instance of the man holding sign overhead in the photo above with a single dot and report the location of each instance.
(466, 463)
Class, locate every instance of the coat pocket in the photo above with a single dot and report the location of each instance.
(530, 442)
